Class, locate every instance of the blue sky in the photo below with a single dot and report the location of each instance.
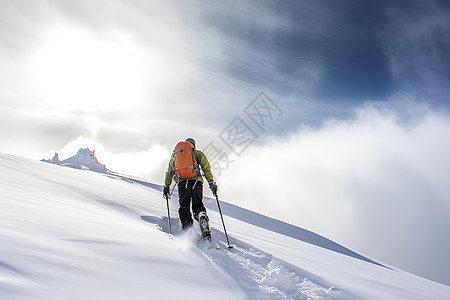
(334, 55)
(360, 90)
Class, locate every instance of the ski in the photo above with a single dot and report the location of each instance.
(208, 244)
(207, 241)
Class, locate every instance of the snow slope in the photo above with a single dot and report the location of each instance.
(74, 234)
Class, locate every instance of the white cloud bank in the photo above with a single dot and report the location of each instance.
(378, 182)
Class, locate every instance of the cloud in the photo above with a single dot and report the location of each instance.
(376, 183)
(260, 47)
(128, 68)
(151, 73)
(418, 49)
(190, 68)
(26, 131)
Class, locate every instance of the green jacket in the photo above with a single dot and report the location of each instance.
(201, 159)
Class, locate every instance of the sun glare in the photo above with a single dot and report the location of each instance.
(75, 69)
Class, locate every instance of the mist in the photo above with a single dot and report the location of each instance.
(377, 183)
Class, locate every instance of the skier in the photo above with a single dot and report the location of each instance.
(190, 186)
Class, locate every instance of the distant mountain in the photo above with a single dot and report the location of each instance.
(55, 160)
(84, 159)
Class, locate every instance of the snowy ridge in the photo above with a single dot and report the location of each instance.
(55, 160)
(75, 234)
(84, 159)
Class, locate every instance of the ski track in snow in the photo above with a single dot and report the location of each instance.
(260, 275)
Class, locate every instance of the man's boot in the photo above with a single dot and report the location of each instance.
(204, 226)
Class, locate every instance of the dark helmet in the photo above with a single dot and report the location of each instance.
(191, 140)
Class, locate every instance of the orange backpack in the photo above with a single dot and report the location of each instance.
(184, 162)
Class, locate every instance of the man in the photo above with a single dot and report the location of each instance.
(190, 190)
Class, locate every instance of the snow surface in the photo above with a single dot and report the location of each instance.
(74, 234)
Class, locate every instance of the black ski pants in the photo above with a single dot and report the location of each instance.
(190, 192)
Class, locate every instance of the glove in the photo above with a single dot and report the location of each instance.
(213, 187)
(166, 192)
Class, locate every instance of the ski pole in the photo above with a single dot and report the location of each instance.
(221, 216)
(168, 213)
(168, 210)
